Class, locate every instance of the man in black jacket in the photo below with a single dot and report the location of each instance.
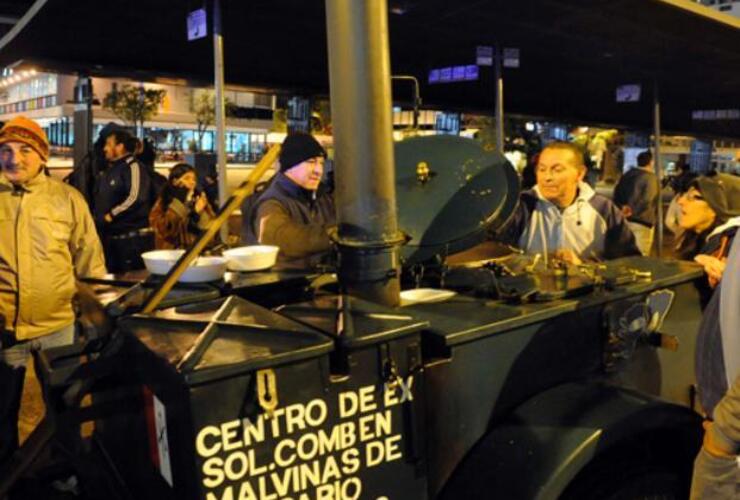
(122, 204)
(637, 194)
(294, 212)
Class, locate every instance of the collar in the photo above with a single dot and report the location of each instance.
(127, 159)
(585, 193)
(32, 185)
(645, 170)
(734, 222)
(293, 189)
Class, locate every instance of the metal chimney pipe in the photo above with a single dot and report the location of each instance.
(360, 78)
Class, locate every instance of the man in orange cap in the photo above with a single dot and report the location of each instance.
(48, 240)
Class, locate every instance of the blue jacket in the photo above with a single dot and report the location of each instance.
(593, 227)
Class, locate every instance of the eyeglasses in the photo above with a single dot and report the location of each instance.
(692, 197)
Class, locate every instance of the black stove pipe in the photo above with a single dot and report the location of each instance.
(360, 87)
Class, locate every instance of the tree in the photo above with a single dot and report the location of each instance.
(280, 120)
(203, 106)
(134, 105)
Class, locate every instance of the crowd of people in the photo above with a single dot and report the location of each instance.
(53, 236)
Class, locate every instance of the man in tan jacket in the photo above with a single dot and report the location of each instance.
(47, 240)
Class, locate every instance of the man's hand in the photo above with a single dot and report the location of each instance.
(567, 255)
(108, 218)
(714, 447)
(627, 211)
(713, 266)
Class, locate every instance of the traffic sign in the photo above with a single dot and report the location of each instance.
(197, 25)
(484, 55)
(629, 93)
(511, 58)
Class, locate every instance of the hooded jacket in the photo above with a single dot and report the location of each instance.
(592, 226)
(48, 240)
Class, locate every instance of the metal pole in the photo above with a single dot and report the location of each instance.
(658, 168)
(499, 101)
(218, 83)
(417, 96)
(368, 236)
(83, 129)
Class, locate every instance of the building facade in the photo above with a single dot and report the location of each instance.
(48, 98)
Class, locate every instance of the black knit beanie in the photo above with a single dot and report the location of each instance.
(722, 193)
(299, 147)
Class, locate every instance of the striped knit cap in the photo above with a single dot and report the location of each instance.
(21, 129)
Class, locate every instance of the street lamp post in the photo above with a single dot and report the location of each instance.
(218, 63)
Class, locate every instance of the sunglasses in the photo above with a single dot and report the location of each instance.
(693, 197)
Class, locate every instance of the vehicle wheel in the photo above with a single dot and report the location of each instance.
(639, 483)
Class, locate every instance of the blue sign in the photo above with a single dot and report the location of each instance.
(629, 93)
(464, 73)
(458, 73)
(197, 25)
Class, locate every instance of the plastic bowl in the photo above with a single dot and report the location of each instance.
(204, 268)
(252, 257)
(425, 295)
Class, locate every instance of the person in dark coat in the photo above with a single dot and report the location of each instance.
(181, 212)
(637, 194)
(85, 175)
(122, 204)
(710, 217)
(294, 212)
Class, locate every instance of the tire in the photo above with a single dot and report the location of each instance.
(635, 483)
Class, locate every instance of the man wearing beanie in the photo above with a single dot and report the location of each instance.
(48, 240)
(293, 213)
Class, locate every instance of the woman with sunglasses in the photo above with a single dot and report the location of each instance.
(710, 216)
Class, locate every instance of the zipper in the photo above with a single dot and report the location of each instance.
(17, 268)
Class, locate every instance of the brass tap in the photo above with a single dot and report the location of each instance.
(423, 174)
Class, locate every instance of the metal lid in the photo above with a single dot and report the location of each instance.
(228, 337)
(449, 190)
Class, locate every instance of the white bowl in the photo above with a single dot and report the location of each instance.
(425, 295)
(203, 269)
(251, 258)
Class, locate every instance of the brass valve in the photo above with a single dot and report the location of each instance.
(423, 174)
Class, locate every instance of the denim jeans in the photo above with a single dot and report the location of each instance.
(13, 362)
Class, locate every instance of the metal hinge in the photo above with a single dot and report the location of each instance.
(267, 390)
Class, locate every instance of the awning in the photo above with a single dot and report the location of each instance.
(573, 53)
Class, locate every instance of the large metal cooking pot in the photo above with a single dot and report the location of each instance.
(449, 192)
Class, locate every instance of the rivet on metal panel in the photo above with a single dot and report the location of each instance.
(267, 390)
